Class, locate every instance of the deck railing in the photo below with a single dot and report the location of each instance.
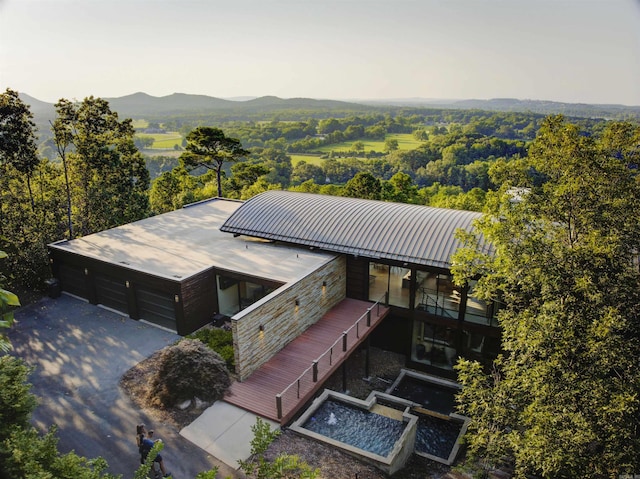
(290, 395)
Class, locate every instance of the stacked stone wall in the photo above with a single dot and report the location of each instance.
(263, 329)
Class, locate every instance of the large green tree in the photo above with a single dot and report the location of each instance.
(208, 147)
(563, 401)
(17, 137)
(106, 177)
(363, 185)
(29, 216)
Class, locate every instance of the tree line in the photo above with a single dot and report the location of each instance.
(93, 176)
(560, 211)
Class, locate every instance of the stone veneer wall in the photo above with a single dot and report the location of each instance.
(281, 320)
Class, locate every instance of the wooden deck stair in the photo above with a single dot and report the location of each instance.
(258, 392)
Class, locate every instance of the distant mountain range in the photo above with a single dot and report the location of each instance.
(144, 106)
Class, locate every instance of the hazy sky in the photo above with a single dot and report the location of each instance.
(573, 51)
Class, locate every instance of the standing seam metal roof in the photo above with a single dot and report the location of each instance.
(375, 229)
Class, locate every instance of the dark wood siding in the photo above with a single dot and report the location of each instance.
(155, 306)
(138, 294)
(199, 301)
(357, 278)
(72, 279)
(111, 291)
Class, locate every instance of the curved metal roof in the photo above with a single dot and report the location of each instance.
(374, 229)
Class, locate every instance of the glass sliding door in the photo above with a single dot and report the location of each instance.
(392, 280)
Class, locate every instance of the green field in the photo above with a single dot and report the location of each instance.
(406, 141)
(311, 159)
(164, 140)
(140, 123)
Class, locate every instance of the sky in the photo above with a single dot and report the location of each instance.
(577, 51)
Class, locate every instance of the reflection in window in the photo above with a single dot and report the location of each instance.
(436, 294)
(434, 345)
(394, 280)
(440, 346)
(480, 347)
(479, 311)
(235, 295)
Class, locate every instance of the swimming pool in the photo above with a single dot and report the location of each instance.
(414, 415)
(381, 435)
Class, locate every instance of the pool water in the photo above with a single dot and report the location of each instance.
(436, 436)
(356, 427)
(432, 396)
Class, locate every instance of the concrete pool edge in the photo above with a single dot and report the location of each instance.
(397, 457)
(458, 417)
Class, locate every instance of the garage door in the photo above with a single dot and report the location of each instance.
(73, 280)
(112, 292)
(156, 307)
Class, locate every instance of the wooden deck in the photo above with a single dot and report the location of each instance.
(292, 367)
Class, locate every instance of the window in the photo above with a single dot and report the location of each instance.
(392, 280)
(434, 345)
(234, 295)
(436, 294)
(479, 311)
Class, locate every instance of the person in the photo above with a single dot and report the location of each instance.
(145, 446)
(140, 433)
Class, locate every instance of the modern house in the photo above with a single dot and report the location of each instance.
(278, 263)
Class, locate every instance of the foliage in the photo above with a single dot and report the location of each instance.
(105, 175)
(208, 147)
(285, 466)
(245, 175)
(219, 340)
(564, 399)
(8, 301)
(400, 189)
(34, 456)
(17, 137)
(16, 401)
(188, 369)
(23, 452)
(363, 185)
(28, 203)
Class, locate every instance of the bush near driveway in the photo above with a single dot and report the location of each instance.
(188, 369)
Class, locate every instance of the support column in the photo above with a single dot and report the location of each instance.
(344, 376)
(366, 357)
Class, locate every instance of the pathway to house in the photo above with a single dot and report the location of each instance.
(290, 372)
(224, 429)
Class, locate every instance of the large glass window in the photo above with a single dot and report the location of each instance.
(436, 294)
(440, 346)
(234, 295)
(480, 347)
(434, 345)
(394, 280)
(479, 311)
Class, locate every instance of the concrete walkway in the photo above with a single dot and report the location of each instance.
(224, 431)
(79, 353)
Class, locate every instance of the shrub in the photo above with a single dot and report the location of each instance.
(220, 340)
(188, 369)
(16, 400)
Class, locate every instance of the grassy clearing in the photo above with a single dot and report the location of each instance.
(406, 142)
(165, 140)
(311, 159)
(140, 123)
